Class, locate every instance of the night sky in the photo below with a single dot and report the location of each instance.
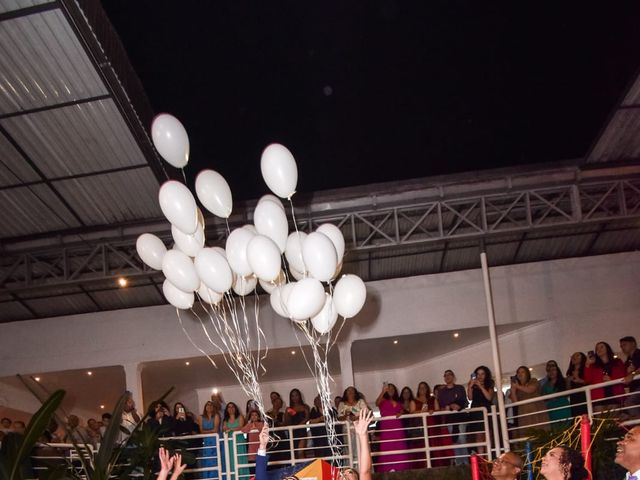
(372, 91)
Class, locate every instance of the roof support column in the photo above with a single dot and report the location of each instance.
(346, 365)
(133, 380)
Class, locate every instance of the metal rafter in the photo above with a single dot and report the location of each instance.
(485, 216)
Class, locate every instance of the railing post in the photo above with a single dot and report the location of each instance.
(475, 467)
(350, 448)
(529, 463)
(585, 442)
(427, 449)
(496, 431)
(587, 396)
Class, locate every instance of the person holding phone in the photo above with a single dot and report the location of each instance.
(392, 433)
(480, 391)
(534, 413)
(602, 366)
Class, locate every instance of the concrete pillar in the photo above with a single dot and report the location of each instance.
(133, 380)
(346, 365)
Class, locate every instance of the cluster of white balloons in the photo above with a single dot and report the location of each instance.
(253, 253)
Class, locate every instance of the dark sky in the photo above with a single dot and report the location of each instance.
(366, 91)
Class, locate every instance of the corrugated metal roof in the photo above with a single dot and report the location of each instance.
(13, 311)
(74, 140)
(67, 305)
(619, 139)
(43, 63)
(129, 297)
(9, 5)
(114, 197)
(34, 209)
(13, 169)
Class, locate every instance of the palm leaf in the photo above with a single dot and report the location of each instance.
(37, 425)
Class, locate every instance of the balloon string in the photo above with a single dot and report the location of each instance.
(295, 225)
(227, 222)
(191, 340)
(184, 176)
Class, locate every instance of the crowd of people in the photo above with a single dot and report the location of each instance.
(393, 434)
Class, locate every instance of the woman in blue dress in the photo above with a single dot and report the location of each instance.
(233, 422)
(209, 423)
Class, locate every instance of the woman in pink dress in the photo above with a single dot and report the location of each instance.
(391, 432)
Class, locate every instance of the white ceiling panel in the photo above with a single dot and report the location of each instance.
(114, 197)
(42, 63)
(35, 209)
(14, 170)
(78, 139)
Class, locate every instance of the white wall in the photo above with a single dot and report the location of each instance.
(579, 301)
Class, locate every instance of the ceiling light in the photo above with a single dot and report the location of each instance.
(395, 342)
(456, 335)
(102, 407)
(123, 282)
(214, 391)
(187, 363)
(37, 379)
(89, 373)
(293, 352)
(530, 369)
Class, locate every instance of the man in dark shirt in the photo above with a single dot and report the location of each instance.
(452, 397)
(629, 347)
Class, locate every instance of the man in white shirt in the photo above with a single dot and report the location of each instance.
(628, 453)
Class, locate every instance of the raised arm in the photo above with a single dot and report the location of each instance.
(364, 452)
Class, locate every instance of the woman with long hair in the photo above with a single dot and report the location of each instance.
(351, 404)
(391, 431)
(233, 422)
(297, 413)
(209, 423)
(533, 413)
(563, 463)
(602, 366)
(480, 390)
(558, 407)
(425, 402)
(575, 379)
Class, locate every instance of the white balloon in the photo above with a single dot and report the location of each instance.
(271, 198)
(349, 295)
(189, 244)
(180, 271)
(306, 299)
(279, 297)
(269, 287)
(293, 251)
(208, 295)
(251, 228)
(326, 319)
(264, 258)
(279, 170)
(179, 206)
(213, 269)
(176, 297)
(244, 285)
(320, 256)
(296, 274)
(271, 221)
(336, 237)
(170, 139)
(214, 193)
(151, 250)
(236, 248)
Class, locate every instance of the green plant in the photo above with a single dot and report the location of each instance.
(16, 449)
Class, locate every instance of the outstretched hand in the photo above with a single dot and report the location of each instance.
(178, 466)
(364, 419)
(264, 436)
(166, 460)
